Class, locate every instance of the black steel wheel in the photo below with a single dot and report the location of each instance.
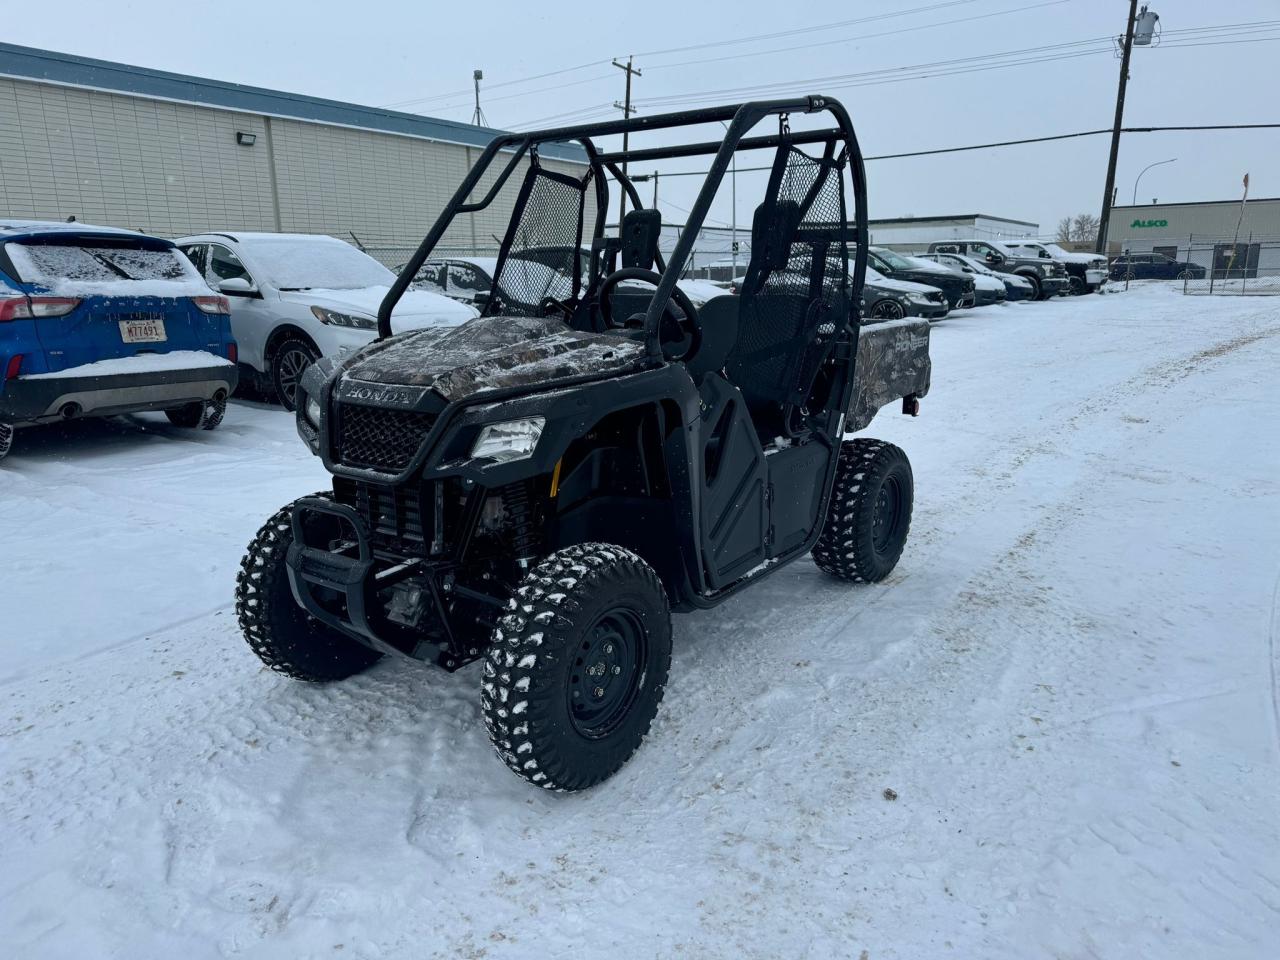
(577, 669)
(869, 514)
(1078, 286)
(1036, 287)
(6, 439)
(289, 361)
(887, 310)
(283, 635)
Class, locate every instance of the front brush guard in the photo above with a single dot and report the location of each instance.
(313, 566)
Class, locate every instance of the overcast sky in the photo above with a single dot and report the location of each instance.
(382, 53)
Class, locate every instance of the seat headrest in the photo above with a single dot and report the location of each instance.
(641, 230)
(772, 236)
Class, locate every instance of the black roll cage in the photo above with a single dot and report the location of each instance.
(741, 118)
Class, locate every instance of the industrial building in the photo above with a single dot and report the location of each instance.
(914, 234)
(170, 155)
(1219, 235)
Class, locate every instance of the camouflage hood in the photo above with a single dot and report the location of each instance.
(494, 353)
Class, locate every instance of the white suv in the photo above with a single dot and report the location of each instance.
(297, 297)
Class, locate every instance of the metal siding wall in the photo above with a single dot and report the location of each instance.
(106, 158)
(172, 169)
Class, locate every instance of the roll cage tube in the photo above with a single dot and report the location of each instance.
(740, 118)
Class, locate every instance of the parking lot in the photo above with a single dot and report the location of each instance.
(994, 753)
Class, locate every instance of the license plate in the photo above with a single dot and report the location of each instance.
(139, 330)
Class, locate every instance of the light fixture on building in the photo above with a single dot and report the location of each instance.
(246, 139)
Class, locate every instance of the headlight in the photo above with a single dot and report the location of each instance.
(335, 319)
(513, 440)
(312, 412)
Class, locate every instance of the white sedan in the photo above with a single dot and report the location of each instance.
(298, 297)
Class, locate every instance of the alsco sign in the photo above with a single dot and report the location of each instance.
(1149, 223)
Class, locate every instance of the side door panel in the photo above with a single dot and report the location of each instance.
(734, 517)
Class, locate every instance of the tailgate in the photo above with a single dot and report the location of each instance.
(893, 362)
(105, 328)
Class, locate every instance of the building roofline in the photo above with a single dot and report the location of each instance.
(1190, 203)
(65, 69)
(958, 216)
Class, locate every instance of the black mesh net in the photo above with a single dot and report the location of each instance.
(540, 254)
(796, 294)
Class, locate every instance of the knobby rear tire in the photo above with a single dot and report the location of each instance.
(852, 546)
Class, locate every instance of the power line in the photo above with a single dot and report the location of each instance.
(865, 36)
(1014, 143)
(453, 94)
(781, 34)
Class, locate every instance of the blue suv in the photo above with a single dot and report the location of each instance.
(96, 321)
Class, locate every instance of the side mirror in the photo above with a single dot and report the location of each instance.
(237, 287)
(993, 257)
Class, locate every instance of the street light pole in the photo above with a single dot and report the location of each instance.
(1158, 163)
(1104, 221)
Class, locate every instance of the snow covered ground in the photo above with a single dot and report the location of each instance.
(1052, 733)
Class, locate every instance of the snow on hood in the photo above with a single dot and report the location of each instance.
(930, 266)
(985, 281)
(878, 279)
(417, 308)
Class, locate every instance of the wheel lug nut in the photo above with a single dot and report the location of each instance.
(599, 692)
(608, 648)
(616, 671)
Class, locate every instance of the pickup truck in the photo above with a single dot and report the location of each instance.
(1048, 278)
(1087, 271)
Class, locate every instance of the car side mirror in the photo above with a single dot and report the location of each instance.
(993, 258)
(237, 287)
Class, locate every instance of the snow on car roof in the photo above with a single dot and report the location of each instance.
(12, 228)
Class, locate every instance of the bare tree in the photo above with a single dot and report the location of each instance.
(1064, 230)
(1085, 227)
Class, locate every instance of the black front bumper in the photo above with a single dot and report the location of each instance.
(40, 399)
(342, 583)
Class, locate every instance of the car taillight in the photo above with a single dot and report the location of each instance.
(28, 308)
(212, 304)
(233, 353)
(13, 367)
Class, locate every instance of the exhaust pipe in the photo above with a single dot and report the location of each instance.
(70, 411)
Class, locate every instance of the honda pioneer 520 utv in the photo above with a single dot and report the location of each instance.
(541, 486)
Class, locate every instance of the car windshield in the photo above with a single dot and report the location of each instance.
(1054, 249)
(304, 263)
(895, 261)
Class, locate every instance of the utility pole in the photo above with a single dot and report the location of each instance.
(627, 110)
(1104, 222)
(477, 118)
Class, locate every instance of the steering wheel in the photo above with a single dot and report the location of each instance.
(687, 330)
(550, 307)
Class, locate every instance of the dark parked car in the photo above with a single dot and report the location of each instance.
(1015, 287)
(1048, 277)
(958, 288)
(885, 299)
(1153, 266)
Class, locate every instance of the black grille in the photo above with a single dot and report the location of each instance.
(392, 514)
(380, 439)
